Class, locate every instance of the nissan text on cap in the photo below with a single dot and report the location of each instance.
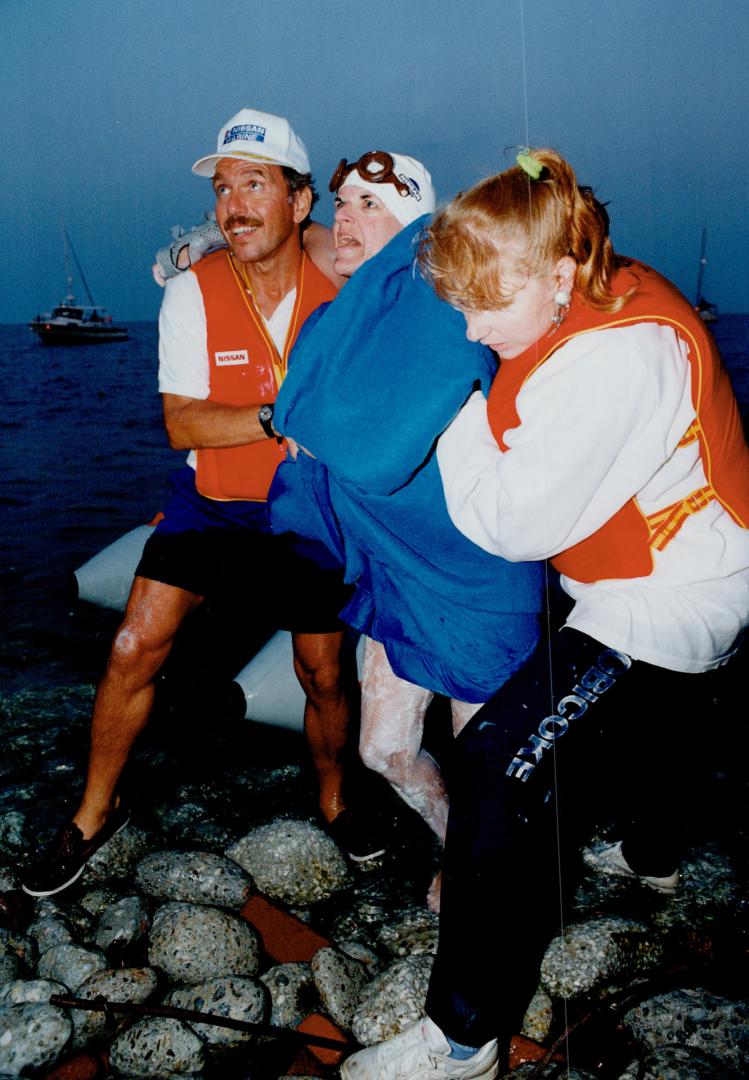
(257, 136)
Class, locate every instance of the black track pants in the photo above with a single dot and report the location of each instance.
(579, 730)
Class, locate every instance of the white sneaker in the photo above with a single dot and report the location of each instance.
(608, 859)
(420, 1051)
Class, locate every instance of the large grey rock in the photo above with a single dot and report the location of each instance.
(292, 861)
(32, 1035)
(694, 1018)
(234, 997)
(50, 930)
(93, 901)
(364, 921)
(23, 991)
(123, 922)
(593, 954)
(392, 1001)
(116, 860)
(340, 982)
(195, 877)
(115, 984)
(158, 1047)
(193, 943)
(678, 1063)
(292, 991)
(69, 914)
(10, 968)
(70, 964)
(412, 933)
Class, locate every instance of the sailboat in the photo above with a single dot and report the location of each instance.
(708, 312)
(71, 323)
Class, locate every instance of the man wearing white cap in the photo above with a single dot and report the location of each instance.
(225, 333)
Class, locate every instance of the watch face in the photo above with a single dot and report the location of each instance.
(265, 412)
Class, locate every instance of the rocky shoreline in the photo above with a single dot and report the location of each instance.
(648, 986)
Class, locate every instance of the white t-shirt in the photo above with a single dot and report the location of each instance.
(183, 349)
(600, 423)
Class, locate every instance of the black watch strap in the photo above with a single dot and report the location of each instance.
(265, 416)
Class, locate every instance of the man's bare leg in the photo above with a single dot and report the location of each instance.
(124, 697)
(330, 688)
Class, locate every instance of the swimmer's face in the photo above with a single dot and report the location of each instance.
(362, 227)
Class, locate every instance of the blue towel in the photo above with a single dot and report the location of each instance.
(373, 381)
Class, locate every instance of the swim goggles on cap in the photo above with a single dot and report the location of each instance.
(376, 166)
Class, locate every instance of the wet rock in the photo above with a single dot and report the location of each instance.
(413, 933)
(340, 982)
(195, 877)
(70, 964)
(70, 914)
(8, 878)
(363, 921)
(292, 861)
(115, 984)
(158, 1047)
(193, 943)
(537, 1019)
(13, 832)
(123, 922)
(31, 1035)
(23, 991)
(392, 1001)
(694, 1018)
(50, 930)
(552, 1071)
(9, 969)
(292, 991)
(95, 900)
(357, 950)
(116, 860)
(708, 888)
(237, 998)
(678, 1063)
(592, 954)
(14, 944)
(188, 823)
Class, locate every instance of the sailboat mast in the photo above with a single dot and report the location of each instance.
(703, 263)
(69, 247)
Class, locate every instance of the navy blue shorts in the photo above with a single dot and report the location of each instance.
(226, 550)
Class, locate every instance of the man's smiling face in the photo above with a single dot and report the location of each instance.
(254, 209)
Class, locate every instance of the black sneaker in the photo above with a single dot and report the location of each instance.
(67, 854)
(359, 835)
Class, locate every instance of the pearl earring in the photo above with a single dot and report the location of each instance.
(562, 297)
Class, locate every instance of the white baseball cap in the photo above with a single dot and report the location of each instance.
(414, 195)
(257, 136)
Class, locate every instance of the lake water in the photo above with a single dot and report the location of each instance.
(84, 458)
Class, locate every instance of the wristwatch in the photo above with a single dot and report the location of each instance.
(265, 416)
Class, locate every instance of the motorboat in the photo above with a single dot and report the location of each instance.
(71, 323)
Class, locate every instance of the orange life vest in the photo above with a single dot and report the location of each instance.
(623, 547)
(245, 369)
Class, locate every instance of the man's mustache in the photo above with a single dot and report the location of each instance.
(238, 220)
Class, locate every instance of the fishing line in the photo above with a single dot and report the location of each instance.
(547, 584)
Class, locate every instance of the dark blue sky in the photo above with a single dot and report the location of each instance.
(106, 104)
